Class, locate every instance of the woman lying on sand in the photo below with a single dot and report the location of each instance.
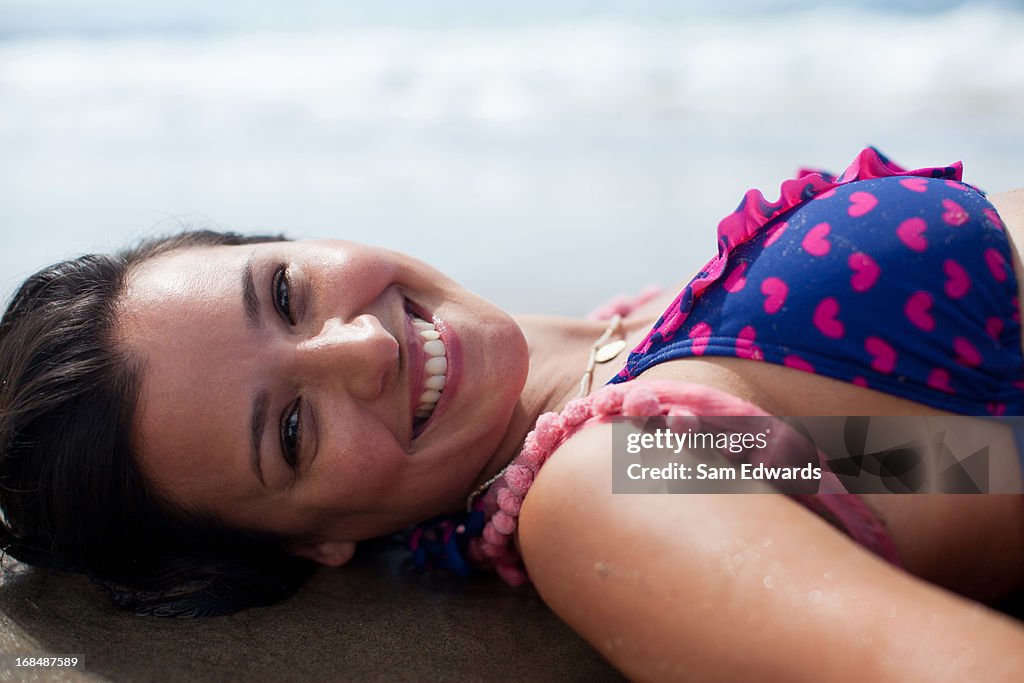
(190, 420)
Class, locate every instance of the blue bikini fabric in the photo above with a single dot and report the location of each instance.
(901, 281)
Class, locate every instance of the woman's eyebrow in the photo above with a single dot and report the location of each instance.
(257, 423)
(258, 419)
(250, 299)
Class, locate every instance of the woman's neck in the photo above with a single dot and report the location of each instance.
(558, 352)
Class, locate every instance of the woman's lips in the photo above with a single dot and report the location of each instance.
(416, 362)
(453, 375)
(428, 369)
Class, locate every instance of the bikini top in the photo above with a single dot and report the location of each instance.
(892, 279)
(886, 278)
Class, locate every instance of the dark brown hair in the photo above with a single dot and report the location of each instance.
(71, 495)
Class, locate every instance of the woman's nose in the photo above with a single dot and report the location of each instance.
(358, 353)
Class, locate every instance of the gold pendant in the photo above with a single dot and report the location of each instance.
(609, 351)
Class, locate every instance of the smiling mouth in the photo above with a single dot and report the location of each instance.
(435, 370)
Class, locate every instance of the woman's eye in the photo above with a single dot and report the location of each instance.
(282, 293)
(291, 434)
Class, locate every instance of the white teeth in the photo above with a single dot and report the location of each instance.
(437, 365)
(434, 348)
(434, 369)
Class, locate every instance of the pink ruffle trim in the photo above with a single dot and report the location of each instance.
(754, 212)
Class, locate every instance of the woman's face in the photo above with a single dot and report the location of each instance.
(281, 385)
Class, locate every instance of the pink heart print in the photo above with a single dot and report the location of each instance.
(918, 310)
(794, 361)
(939, 379)
(883, 356)
(996, 263)
(996, 408)
(994, 218)
(915, 184)
(816, 242)
(775, 291)
(826, 320)
(994, 327)
(745, 346)
(701, 335)
(735, 280)
(966, 353)
(958, 282)
(865, 271)
(861, 203)
(955, 214)
(911, 233)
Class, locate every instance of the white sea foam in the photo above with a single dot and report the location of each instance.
(491, 136)
(835, 62)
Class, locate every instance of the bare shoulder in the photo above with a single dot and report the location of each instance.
(661, 585)
(1010, 206)
(973, 545)
(569, 505)
(580, 467)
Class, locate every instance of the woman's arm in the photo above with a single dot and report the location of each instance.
(740, 587)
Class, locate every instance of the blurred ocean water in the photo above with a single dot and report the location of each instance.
(545, 154)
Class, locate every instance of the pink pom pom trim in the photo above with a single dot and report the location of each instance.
(532, 455)
(494, 548)
(493, 536)
(504, 523)
(641, 403)
(493, 551)
(577, 412)
(550, 429)
(511, 574)
(518, 479)
(509, 502)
